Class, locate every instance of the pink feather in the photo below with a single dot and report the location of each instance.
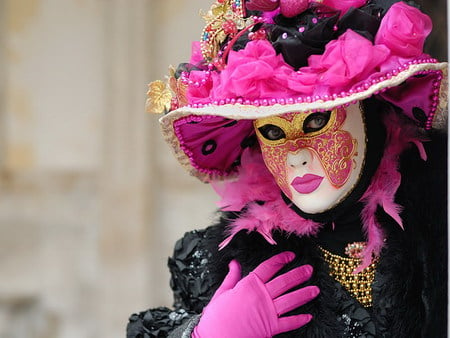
(383, 187)
(256, 183)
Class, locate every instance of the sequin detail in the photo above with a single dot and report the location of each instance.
(191, 280)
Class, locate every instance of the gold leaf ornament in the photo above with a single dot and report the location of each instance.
(216, 10)
(159, 97)
(220, 9)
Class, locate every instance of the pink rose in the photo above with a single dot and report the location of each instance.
(404, 30)
(254, 72)
(302, 82)
(346, 61)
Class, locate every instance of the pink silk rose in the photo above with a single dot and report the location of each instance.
(404, 30)
(346, 61)
(302, 82)
(255, 72)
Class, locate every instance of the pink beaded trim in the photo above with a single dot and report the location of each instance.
(185, 78)
(434, 99)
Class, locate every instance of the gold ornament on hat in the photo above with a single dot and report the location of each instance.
(159, 97)
(179, 88)
(224, 20)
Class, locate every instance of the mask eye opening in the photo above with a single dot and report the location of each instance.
(316, 121)
(272, 132)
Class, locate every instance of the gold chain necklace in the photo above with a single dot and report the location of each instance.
(341, 269)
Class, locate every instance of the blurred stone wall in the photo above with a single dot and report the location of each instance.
(91, 199)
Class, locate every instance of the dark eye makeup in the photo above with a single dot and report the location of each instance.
(316, 121)
(272, 132)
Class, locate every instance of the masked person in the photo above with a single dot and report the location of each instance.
(321, 125)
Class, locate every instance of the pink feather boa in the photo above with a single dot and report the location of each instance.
(383, 187)
(255, 184)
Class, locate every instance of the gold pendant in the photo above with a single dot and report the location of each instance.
(359, 285)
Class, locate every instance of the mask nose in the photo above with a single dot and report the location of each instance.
(299, 159)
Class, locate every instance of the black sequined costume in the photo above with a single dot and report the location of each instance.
(410, 287)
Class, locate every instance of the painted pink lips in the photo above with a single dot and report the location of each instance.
(307, 183)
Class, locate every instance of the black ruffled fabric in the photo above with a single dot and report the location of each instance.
(365, 21)
(157, 322)
(191, 279)
(297, 46)
(356, 319)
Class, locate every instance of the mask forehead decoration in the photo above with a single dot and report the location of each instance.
(335, 148)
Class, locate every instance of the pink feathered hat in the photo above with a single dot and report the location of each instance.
(261, 58)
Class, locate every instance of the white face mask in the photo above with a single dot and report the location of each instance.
(315, 158)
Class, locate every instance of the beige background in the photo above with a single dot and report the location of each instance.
(91, 200)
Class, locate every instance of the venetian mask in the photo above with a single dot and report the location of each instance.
(316, 158)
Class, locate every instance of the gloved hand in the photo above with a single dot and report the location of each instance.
(252, 306)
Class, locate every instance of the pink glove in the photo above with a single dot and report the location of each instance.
(252, 306)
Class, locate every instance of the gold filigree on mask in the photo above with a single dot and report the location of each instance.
(292, 125)
(335, 148)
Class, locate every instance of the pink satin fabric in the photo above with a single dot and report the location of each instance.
(213, 143)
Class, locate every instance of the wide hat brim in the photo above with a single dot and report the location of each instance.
(208, 139)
